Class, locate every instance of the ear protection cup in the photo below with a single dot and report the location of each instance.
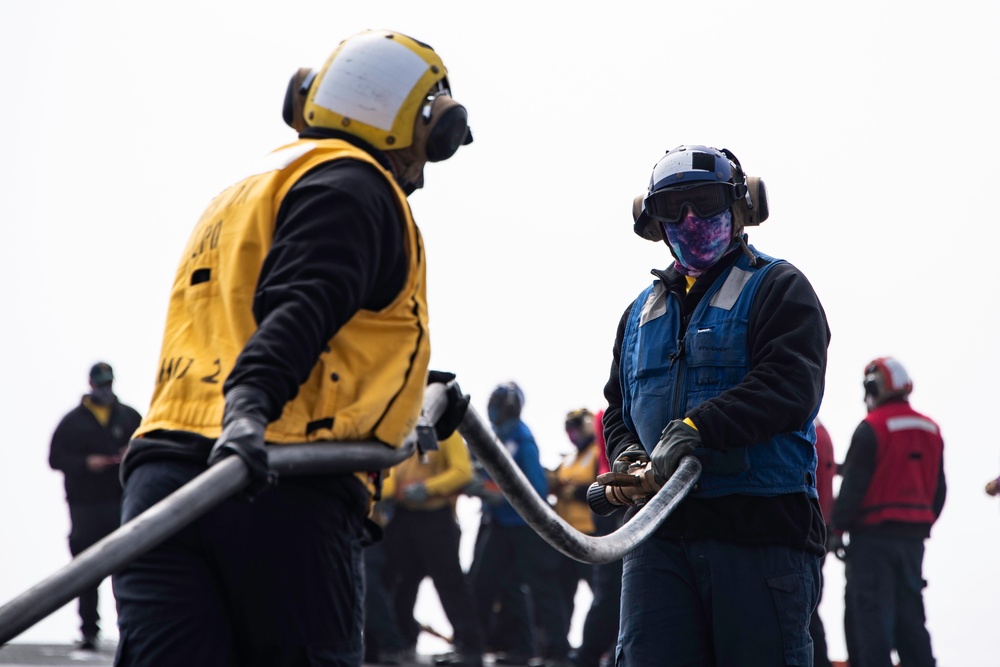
(754, 212)
(295, 98)
(644, 225)
(871, 388)
(440, 129)
(449, 132)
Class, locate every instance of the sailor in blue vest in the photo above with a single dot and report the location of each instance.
(722, 357)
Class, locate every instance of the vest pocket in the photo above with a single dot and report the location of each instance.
(715, 360)
(656, 354)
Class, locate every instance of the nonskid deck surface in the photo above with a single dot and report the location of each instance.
(62, 655)
(55, 655)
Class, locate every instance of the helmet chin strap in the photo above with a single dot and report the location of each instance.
(746, 249)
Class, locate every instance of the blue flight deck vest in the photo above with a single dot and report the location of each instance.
(666, 372)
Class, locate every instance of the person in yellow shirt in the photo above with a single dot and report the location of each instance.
(422, 540)
(568, 483)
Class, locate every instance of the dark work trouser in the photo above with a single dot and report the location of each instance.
(883, 594)
(821, 657)
(600, 628)
(516, 555)
(382, 634)
(709, 602)
(91, 522)
(276, 581)
(425, 543)
(569, 574)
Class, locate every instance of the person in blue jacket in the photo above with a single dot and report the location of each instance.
(509, 553)
(722, 357)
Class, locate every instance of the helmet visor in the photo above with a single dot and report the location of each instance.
(709, 199)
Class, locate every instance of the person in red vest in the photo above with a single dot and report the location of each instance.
(893, 490)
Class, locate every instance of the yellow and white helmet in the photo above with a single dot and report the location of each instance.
(374, 86)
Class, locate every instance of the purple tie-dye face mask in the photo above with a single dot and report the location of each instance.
(698, 243)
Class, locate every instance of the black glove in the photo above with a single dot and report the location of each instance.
(677, 441)
(458, 403)
(835, 545)
(634, 453)
(243, 424)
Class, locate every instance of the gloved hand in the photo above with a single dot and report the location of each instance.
(634, 453)
(243, 424)
(458, 403)
(677, 441)
(415, 493)
(835, 545)
(628, 488)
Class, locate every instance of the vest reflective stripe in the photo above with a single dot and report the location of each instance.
(665, 373)
(911, 423)
(368, 382)
(907, 466)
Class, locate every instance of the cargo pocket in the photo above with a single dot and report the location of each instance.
(792, 606)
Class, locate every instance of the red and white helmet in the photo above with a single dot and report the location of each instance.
(885, 378)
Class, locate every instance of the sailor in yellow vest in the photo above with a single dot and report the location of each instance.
(569, 483)
(298, 313)
(422, 540)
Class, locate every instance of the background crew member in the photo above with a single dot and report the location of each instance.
(86, 447)
(892, 492)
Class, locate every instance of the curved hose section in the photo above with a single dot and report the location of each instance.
(195, 498)
(550, 526)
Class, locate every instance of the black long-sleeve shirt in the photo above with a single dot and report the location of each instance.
(788, 338)
(78, 435)
(338, 247)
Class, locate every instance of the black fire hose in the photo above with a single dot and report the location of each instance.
(191, 501)
(549, 525)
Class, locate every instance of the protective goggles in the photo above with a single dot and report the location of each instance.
(446, 122)
(707, 199)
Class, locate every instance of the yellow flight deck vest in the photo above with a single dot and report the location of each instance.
(369, 380)
(579, 469)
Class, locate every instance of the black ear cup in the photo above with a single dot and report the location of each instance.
(758, 194)
(295, 98)
(643, 225)
(871, 387)
(449, 133)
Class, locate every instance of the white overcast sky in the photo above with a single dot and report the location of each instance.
(872, 123)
